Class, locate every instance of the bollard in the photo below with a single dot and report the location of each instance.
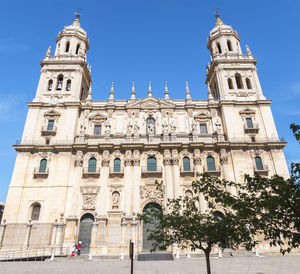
(256, 252)
(122, 255)
(52, 257)
(188, 254)
(219, 253)
(90, 256)
(177, 253)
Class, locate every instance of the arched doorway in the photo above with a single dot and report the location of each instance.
(85, 231)
(147, 244)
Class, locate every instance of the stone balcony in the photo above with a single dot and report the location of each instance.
(213, 172)
(253, 129)
(37, 173)
(116, 173)
(187, 173)
(263, 171)
(157, 173)
(90, 172)
(48, 131)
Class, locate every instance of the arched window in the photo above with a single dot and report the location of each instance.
(219, 48)
(60, 80)
(117, 165)
(67, 46)
(35, 211)
(229, 45)
(186, 164)
(258, 163)
(92, 165)
(239, 82)
(210, 161)
(77, 48)
(50, 84)
(68, 86)
(248, 83)
(230, 85)
(43, 166)
(151, 164)
(150, 125)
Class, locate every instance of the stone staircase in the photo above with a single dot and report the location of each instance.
(157, 256)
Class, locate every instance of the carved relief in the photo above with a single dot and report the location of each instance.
(79, 158)
(150, 193)
(89, 195)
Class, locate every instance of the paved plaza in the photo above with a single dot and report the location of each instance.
(248, 265)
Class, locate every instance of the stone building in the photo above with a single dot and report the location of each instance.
(85, 169)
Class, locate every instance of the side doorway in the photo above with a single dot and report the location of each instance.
(85, 232)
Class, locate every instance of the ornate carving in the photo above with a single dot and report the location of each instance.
(150, 193)
(105, 163)
(127, 162)
(136, 162)
(79, 158)
(197, 161)
(175, 161)
(167, 161)
(89, 195)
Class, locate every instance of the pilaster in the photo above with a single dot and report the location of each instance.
(27, 234)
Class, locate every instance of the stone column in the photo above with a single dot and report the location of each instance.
(70, 231)
(134, 234)
(59, 236)
(136, 183)
(27, 234)
(127, 194)
(228, 172)
(176, 174)
(2, 232)
(199, 170)
(168, 178)
(123, 231)
(94, 233)
(101, 235)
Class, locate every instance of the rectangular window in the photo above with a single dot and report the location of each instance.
(249, 123)
(50, 125)
(97, 130)
(203, 129)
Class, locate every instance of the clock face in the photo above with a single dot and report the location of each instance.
(53, 101)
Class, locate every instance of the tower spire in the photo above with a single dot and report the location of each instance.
(166, 91)
(132, 92)
(111, 94)
(219, 21)
(149, 90)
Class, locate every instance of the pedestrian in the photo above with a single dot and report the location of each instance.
(78, 248)
(73, 250)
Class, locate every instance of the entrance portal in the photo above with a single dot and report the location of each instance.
(85, 231)
(147, 244)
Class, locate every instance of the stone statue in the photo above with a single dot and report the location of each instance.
(107, 128)
(150, 129)
(164, 127)
(115, 200)
(218, 125)
(136, 127)
(173, 127)
(82, 129)
(129, 128)
(248, 50)
(194, 127)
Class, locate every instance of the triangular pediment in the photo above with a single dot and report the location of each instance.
(150, 103)
(52, 113)
(247, 111)
(203, 115)
(97, 117)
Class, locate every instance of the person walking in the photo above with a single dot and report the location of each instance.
(78, 248)
(73, 250)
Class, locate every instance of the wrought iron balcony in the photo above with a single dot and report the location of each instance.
(152, 171)
(40, 173)
(262, 170)
(187, 172)
(91, 172)
(48, 131)
(212, 171)
(253, 129)
(113, 172)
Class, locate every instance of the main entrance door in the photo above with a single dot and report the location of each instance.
(147, 244)
(85, 231)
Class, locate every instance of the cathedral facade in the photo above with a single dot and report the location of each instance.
(85, 169)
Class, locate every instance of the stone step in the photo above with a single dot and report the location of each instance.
(157, 256)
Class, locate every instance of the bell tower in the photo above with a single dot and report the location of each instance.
(66, 76)
(231, 75)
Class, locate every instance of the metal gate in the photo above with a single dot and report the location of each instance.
(147, 244)
(85, 232)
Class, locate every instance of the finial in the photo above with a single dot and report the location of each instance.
(111, 94)
(150, 90)
(248, 50)
(187, 91)
(77, 14)
(48, 52)
(76, 21)
(219, 21)
(132, 92)
(166, 91)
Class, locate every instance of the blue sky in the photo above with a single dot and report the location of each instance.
(142, 41)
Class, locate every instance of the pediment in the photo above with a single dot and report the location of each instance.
(97, 117)
(51, 113)
(150, 103)
(204, 115)
(247, 111)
